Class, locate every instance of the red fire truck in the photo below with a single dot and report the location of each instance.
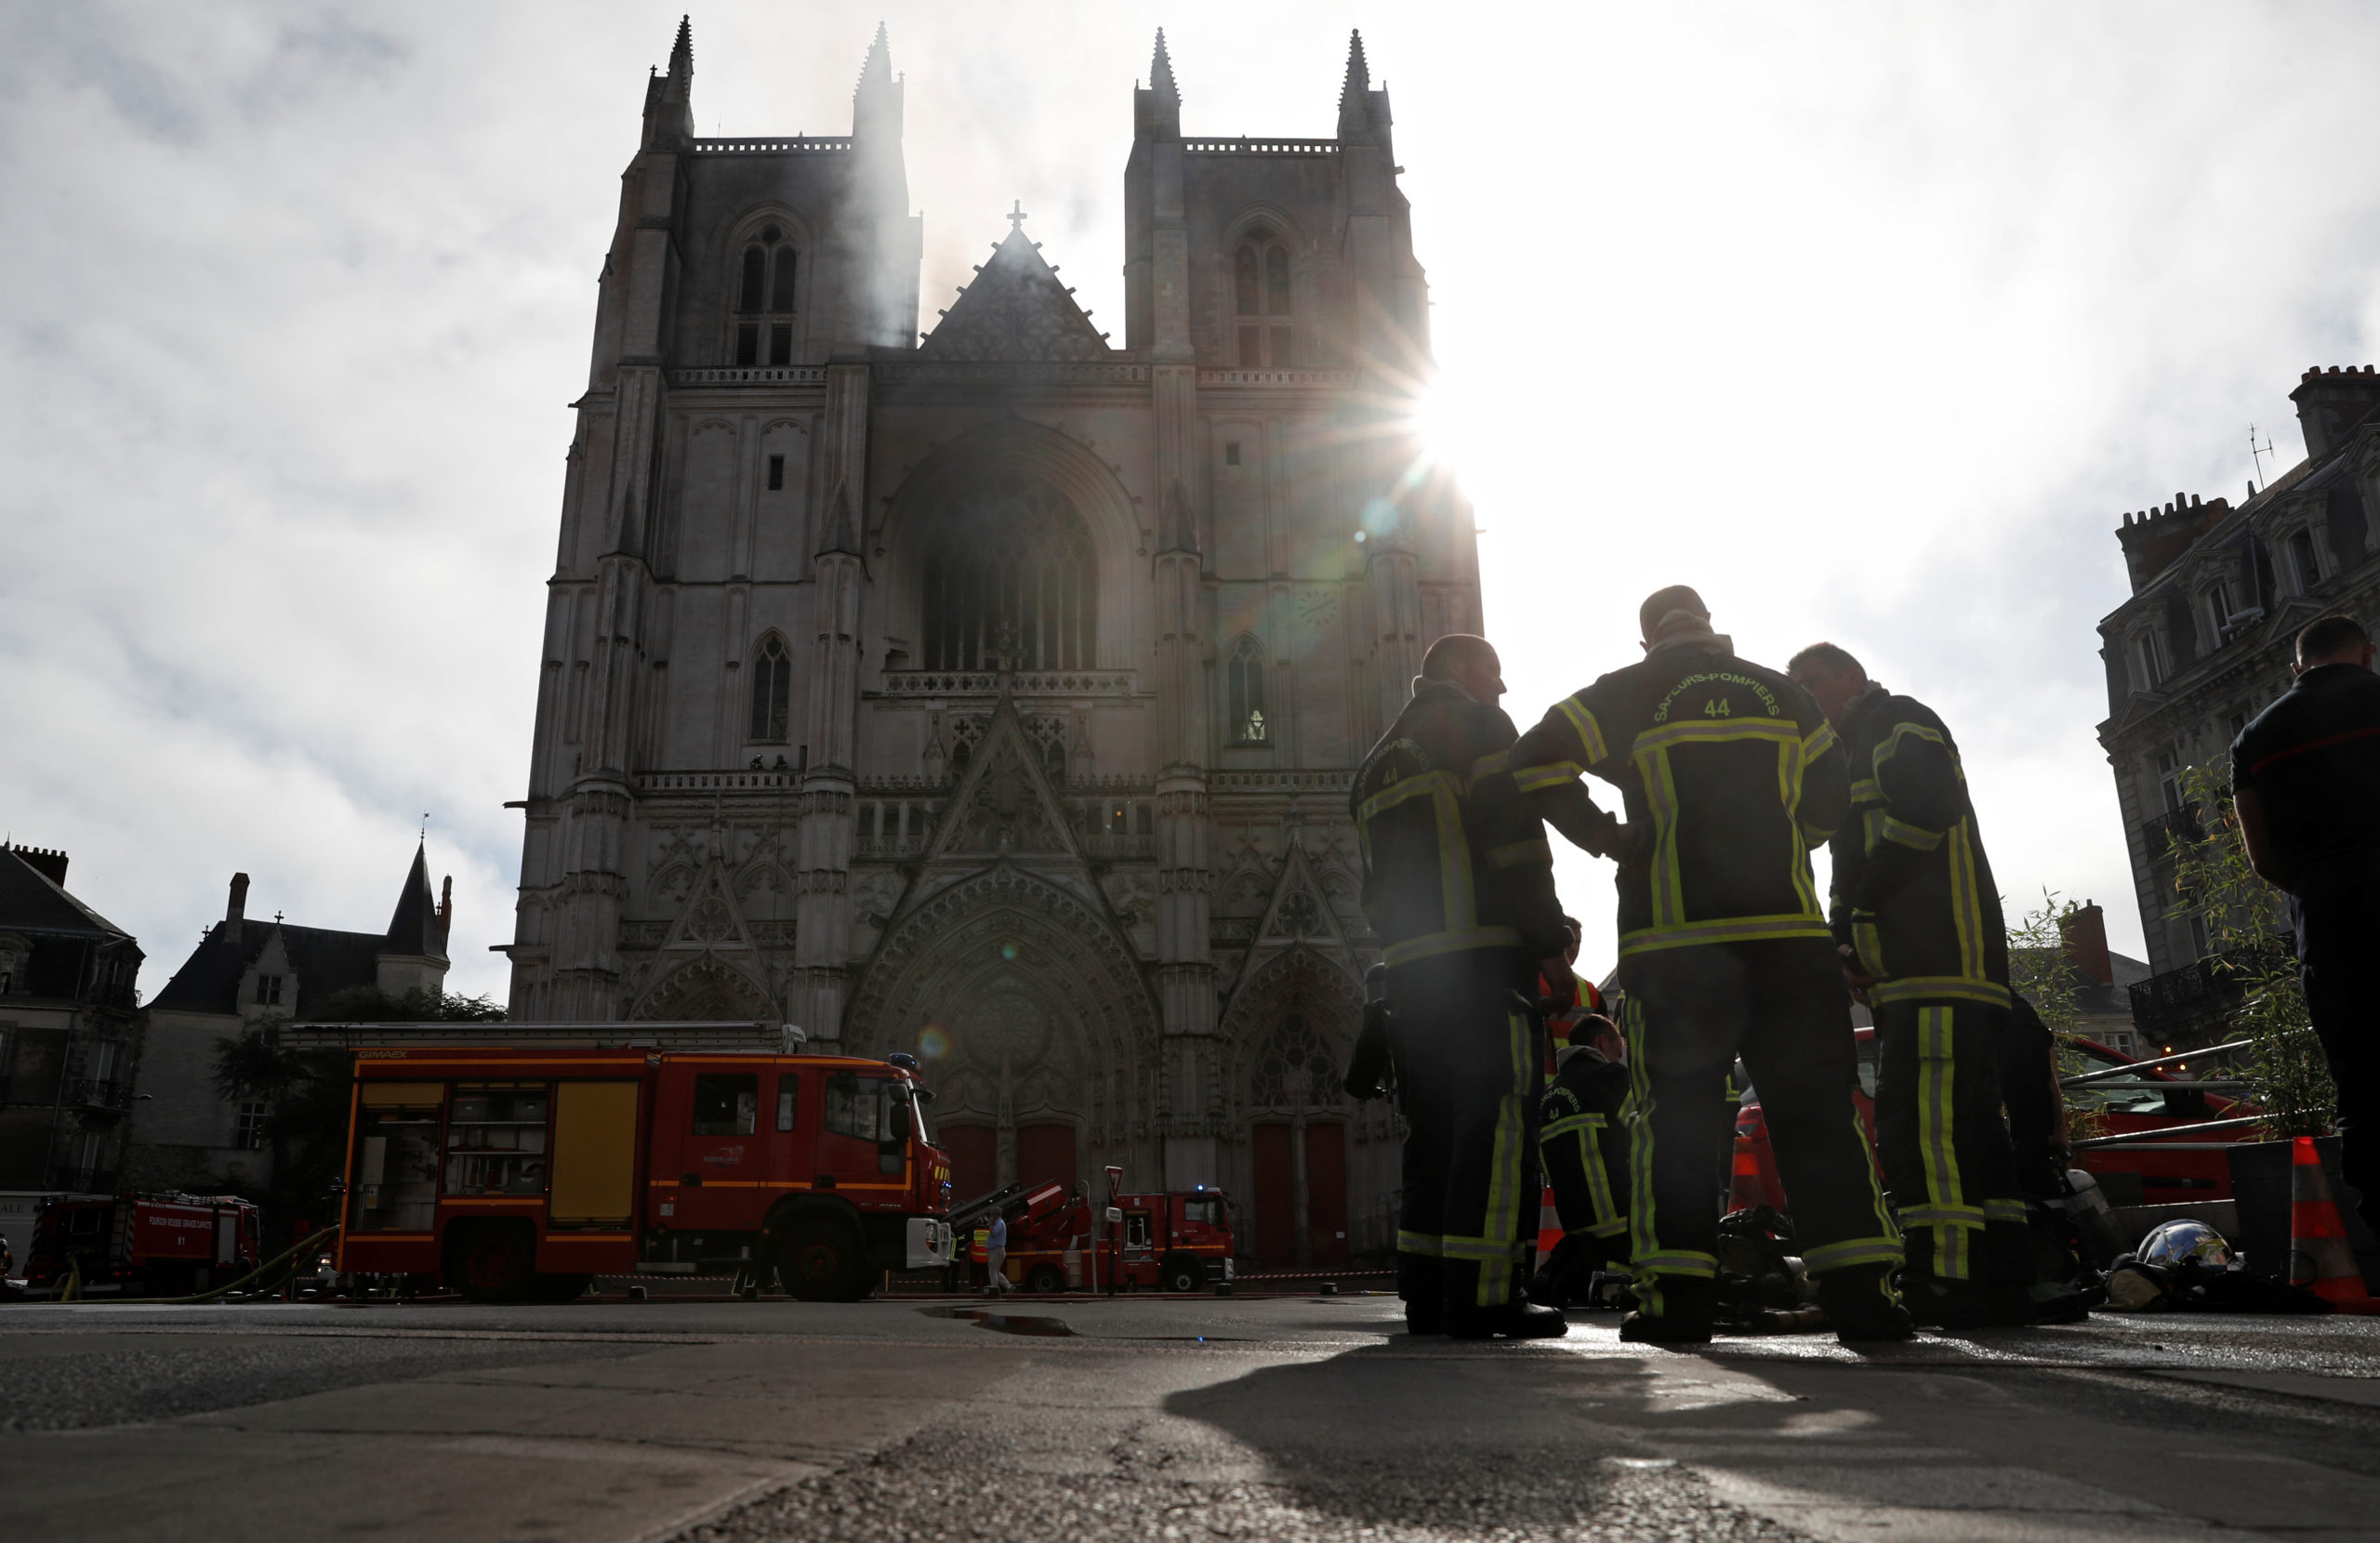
(1177, 1240)
(147, 1244)
(518, 1172)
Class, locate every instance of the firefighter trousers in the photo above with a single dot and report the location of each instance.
(1781, 1005)
(1580, 1140)
(1469, 1066)
(1944, 1144)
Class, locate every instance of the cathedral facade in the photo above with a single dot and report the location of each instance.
(992, 691)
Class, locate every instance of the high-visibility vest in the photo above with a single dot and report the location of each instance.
(980, 1250)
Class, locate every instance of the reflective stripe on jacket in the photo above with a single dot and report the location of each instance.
(1913, 892)
(1452, 859)
(1731, 769)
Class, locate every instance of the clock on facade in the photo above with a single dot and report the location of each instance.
(1317, 607)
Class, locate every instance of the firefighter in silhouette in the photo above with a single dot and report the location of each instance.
(1917, 922)
(1729, 773)
(1459, 884)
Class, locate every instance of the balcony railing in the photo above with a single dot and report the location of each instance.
(2175, 826)
(98, 1094)
(2200, 993)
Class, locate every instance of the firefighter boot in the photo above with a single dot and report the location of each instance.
(1518, 1319)
(1953, 1305)
(1424, 1318)
(1687, 1305)
(1861, 1304)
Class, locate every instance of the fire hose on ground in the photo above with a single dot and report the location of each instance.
(263, 1278)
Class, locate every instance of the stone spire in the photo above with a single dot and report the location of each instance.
(681, 53)
(668, 100)
(877, 69)
(1355, 106)
(1161, 74)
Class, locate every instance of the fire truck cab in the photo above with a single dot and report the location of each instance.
(518, 1173)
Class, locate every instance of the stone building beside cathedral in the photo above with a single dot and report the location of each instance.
(2203, 643)
(992, 691)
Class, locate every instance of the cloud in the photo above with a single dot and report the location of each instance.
(1869, 320)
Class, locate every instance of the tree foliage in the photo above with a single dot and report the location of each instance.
(2041, 971)
(307, 1093)
(2285, 1070)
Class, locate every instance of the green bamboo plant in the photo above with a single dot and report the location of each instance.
(2284, 1068)
(2040, 971)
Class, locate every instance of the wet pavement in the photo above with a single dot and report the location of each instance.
(1169, 1418)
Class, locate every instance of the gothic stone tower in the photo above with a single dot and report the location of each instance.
(993, 693)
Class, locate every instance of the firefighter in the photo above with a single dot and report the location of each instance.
(1916, 919)
(1729, 773)
(1584, 1143)
(2307, 775)
(1459, 884)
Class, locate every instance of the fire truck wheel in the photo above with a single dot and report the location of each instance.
(822, 1261)
(1046, 1280)
(493, 1264)
(1183, 1273)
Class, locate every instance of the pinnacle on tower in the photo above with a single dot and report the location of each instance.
(681, 53)
(1161, 74)
(877, 69)
(1359, 77)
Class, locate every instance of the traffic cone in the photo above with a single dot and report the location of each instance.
(1744, 1189)
(2320, 1258)
(1549, 1225)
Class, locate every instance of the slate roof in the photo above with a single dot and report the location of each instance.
(30, 903)
(415, 928)
(325, 961)
(1015, 309)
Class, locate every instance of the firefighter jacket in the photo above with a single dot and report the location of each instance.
(1913, 892)
(1728, 771)
(1453, 860)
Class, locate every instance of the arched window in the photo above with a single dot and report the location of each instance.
(1260, 285)
(767, 273)
(1011, 582)
(1244, 685)
(1293, 1066)
(772, 690)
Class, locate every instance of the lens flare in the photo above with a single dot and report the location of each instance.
(1008, 951)
(933, 1042)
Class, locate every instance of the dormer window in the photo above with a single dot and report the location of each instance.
(2302, 558)
(269, 991)
(2219, 610)
(2149, 658)
(764, 300)
(1260, 286)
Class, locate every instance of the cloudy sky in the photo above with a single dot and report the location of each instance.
(1869, 320)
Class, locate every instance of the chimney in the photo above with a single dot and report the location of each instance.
(2087, 944)
(49, 865)
(237, 912)
(2152, 540)
(2331, 402)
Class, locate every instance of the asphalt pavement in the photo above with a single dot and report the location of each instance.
(1162, 1419)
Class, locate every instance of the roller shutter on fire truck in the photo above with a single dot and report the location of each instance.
(594, 1159)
